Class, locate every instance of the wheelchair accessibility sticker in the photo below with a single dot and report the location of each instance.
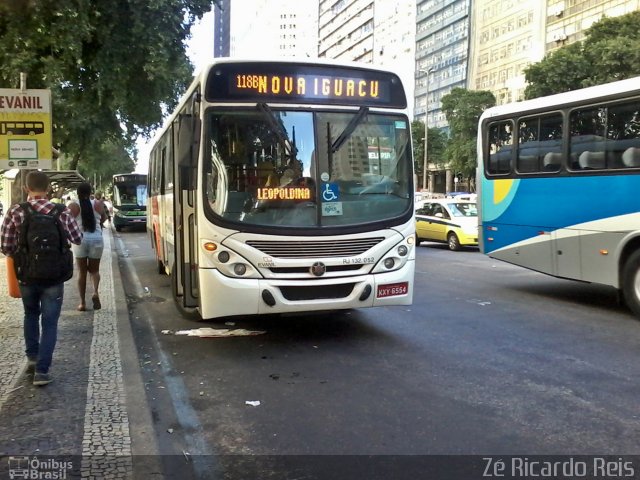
(331, 204)
(330, 192)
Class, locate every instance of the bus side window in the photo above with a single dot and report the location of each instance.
(500, 148)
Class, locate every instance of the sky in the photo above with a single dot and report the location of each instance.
(200, 51)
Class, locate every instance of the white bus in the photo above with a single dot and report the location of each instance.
(559, 183)
(285, 186)
(129, 200)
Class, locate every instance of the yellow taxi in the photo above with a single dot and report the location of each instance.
(447, 220)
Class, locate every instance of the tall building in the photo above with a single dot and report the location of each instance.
(222, 29)
(274, 29)
(441, 64)
(567, 20)
(377, 32)
(509, 35)
(345, 30)
(442, 54)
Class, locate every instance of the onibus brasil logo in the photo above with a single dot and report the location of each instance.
(38, 469)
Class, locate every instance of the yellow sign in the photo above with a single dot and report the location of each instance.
(25, 129)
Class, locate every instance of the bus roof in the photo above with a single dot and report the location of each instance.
(612, 89)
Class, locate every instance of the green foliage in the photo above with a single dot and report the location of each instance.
(463, 109)
(436, 143)
(610, 51)
(113, 67)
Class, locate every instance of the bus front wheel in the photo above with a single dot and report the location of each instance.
(631, 283)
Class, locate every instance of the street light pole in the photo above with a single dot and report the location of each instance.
(426, 130)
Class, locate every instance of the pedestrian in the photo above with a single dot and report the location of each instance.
(107, 216)
(42, 301)
(89, 215)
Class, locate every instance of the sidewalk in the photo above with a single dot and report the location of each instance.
(93, 415)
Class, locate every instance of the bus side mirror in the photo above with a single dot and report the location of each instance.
(188, 139)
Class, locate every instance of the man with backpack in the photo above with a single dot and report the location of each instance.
(36, 234)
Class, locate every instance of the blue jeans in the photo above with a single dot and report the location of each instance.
(41, 304)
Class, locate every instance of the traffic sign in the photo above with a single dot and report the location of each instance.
(25, 129)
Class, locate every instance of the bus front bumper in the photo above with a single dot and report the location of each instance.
(232, 296)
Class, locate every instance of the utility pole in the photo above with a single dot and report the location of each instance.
(425, 165)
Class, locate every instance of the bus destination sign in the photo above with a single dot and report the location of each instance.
(311, 86)
(304, 83)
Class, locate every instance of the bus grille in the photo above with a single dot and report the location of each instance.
(315, 249)
(317, 292)
(305, 269)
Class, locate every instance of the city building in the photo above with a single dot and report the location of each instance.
(441, 64)
(567, 20)
(274, 29)
(222, 29)
(510, 35)
(376, 32)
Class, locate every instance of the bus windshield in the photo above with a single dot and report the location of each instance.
(307, 168)
(130, 193)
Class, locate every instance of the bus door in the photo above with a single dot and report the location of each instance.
(185, 270)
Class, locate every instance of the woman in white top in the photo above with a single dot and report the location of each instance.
(89, 215)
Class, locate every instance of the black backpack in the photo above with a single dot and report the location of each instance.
(44, 255)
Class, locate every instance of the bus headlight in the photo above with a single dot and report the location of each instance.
(397, 257)
(214, 255)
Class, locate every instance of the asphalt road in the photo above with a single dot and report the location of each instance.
(491, 359)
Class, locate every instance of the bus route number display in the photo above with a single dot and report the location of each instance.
(311, 86)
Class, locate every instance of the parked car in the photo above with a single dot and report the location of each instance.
(447, 220)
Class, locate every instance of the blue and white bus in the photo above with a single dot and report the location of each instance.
(559, 185)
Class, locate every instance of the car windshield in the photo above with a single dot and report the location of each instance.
(459, 209)
(307, 169)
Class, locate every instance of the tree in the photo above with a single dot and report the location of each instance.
(610, 51)
(114, 68)
(462, 109)
(436, 143)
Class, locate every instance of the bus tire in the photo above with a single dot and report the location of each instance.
(453, 241)
(631, 283)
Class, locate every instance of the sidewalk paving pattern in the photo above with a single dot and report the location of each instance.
(83, 412)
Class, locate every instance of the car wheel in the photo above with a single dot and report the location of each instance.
(418, 240)
(453, 241)
(631, 283)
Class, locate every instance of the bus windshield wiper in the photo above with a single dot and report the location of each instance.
(277, 128)
(349, 129)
